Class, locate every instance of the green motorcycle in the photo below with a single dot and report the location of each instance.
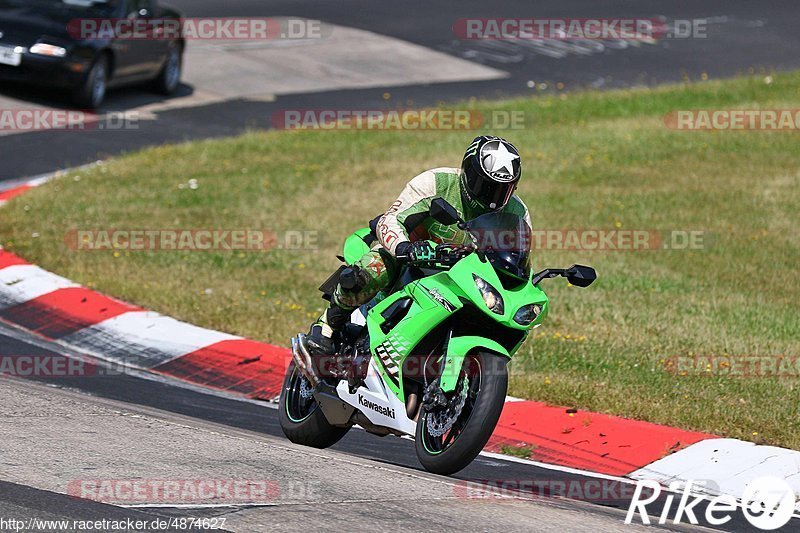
(428, 357)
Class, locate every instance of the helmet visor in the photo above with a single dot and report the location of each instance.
(489, 193)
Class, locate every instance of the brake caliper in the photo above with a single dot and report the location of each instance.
(441, 412)
(306, 389)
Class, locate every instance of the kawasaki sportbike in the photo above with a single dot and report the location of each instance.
(427, 358)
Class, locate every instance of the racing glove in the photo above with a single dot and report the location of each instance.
(415, 252)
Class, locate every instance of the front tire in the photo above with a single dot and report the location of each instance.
(486, 393)
(301, 419)
(92, 91)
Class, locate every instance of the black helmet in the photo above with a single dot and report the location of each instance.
(490, 172)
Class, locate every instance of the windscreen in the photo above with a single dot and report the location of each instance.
(505, 238)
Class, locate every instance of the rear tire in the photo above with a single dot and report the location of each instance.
(301, 419)
(475, 425)
(169, 77)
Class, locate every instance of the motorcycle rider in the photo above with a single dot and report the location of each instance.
(489, 175)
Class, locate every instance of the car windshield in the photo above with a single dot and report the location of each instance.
(506, 240)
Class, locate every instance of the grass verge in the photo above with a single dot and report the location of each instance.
(592, 160)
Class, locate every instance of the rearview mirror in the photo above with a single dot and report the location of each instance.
(444, 213)
(580, 275)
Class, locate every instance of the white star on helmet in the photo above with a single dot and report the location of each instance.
(502, 159)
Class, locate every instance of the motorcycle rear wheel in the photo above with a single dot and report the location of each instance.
(301, 418)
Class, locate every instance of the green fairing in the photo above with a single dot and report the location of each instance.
(355, 247)
(458, 349)
(455, 286)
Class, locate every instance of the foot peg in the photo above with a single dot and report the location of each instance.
(302, 358)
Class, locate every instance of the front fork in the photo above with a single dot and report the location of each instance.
(439, 393)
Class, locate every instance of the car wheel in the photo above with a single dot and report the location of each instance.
(170, 76)
(91, 93)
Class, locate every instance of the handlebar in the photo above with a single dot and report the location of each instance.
(450, 254)
(445, 255)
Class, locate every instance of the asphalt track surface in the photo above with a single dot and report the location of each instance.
(742, 37)
(136, 389)
(757, 35)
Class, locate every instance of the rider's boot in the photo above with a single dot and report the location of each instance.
(314, 351)
(345, 299)
(320, 338)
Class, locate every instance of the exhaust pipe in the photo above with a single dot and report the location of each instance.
(302, 359)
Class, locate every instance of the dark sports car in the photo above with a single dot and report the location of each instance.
(87, 46)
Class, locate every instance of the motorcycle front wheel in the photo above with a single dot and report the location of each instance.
(484, 380)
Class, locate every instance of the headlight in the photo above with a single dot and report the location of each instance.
(491, 297)
(44, 49)
(527, 314)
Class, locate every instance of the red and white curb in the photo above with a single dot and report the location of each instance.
(13, 188)
(86, 321)
(728, 464)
